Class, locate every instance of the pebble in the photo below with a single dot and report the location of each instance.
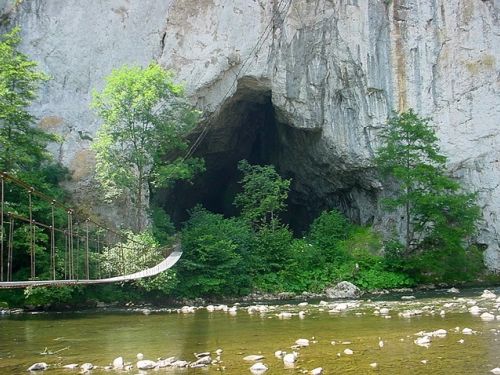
(487, 317)
(488, 294)
(139, 356)
(384, 311)
(284, 315)
(87, 367)
(71, 366)
(146, 364)
(467, 331)
(317, 371)
(495, 371)
(118, 363)
(302, 342)
(348, 352)
(475, 310)
(39, 366)
(424, 341)
(203, 361)
(258, 368)
(290, 358)
(374, 365)
(407, 297)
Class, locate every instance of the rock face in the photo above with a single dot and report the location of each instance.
(344, 289)
(328, 72)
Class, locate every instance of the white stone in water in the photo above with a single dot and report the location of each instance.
(218, 351)
(187, 309)
(39, 366)
(302, 342)
(488, 294)
(221, 308)
(146, 311)
(475, 310)
(303, 304)
(302, 314)
(461, 341)
(407, 297)
(424, 341)
(374, 365)
(442, 313)
(203, 361)
(253, 357)
(424, 361)
(453, 290)
(495, 371)
(381, 344)
(210, 308)
(146, 364)
(87, 367)
(284, 315)
(258, 368)
(487, 317)
(317, 371)
(471, 302)
(323, 303)
(71, 366)
(139, 356)
(384, 311)
(348, 351)
(440, 333)
(290, 358)
(467, 331)
(118, 363)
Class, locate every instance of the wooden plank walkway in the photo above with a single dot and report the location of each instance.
(164, 265)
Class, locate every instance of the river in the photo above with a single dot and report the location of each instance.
(381, 341)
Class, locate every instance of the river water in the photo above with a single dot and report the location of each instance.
(100, 336)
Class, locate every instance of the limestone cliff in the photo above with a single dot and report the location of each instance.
(333, 70)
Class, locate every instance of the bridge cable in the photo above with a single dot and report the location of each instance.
(10, 244)
(52, 243)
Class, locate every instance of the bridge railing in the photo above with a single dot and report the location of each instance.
(54, 241)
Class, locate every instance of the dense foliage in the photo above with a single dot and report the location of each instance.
(23, 154)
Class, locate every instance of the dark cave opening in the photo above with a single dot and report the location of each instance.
(247, 127)
(244, 129)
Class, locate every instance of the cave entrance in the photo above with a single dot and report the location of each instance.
(245, 128)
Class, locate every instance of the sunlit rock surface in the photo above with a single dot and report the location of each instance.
(332, 72)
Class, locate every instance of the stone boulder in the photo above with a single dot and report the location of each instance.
(344, 289)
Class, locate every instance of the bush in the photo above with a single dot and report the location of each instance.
(40, 295)
(216, 256)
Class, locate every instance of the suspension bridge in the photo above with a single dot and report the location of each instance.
(64, 246)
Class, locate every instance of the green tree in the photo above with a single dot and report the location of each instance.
(437, 213)
(22, 146)
(23, 151)
(264, 194)
(145, 121)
